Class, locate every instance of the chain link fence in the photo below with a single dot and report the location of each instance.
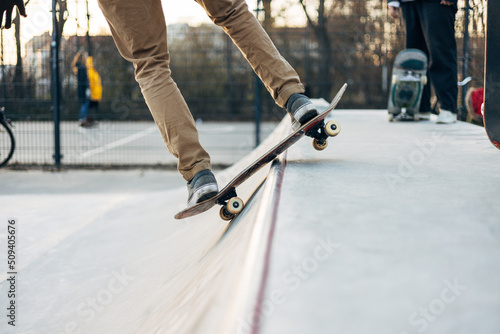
(355, 43)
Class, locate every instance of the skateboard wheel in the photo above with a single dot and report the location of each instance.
(390, 117)
(394, 79)
(235, 205)
(224, 214)
(332, 128)
(424, 80)
(319, 146)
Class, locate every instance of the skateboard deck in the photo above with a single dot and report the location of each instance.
(408, 81)
(227, 197)
(492, 75)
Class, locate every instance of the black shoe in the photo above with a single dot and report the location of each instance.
(301, 109)
(202, 187)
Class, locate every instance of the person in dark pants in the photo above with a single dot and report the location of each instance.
(83, 90)
(430, 27)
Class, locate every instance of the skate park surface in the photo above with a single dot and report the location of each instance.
(394, 228)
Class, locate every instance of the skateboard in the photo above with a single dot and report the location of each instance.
(491, 104)
(231, 205)
(408, 81)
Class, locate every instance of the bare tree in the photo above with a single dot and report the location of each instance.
(18, 79)
(320, 29)
(18, 72)
(62, 17)
(268, 18)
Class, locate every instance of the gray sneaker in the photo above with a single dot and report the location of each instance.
(301, 109)
(202, 187)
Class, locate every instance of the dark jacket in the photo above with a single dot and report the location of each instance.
(82, 81)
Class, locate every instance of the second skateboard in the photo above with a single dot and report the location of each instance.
(408, 81)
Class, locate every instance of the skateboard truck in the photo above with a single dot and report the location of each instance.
(231, 205)
(403, 115)
(320, 133)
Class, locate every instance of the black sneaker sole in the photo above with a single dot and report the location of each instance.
(308, 116)
(207, 196)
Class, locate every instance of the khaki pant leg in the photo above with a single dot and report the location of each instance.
(240, 24)
(140, 33)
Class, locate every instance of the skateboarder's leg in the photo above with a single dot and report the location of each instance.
(139, 31)
(240, 24)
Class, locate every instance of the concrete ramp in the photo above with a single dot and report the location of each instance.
(120, 263)
(394, 228)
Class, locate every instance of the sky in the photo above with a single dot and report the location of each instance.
(39, 20)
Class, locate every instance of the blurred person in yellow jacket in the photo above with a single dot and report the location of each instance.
(95, 87)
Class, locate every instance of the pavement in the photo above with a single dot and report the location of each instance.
(128, 143)
(393, 228)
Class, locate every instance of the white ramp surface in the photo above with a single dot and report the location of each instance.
(394, 228)
(97, 261)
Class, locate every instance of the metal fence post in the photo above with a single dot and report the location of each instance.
(4, 80)
(56, 94)
(258, 92)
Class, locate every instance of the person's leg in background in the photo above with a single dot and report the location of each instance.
(439, 29)
(84, 108)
